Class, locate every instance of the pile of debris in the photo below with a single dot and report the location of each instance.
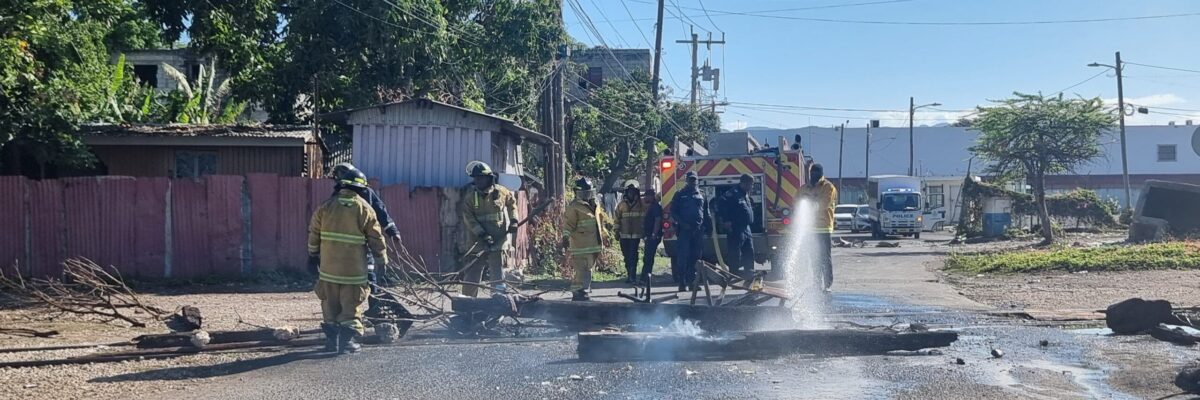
(1154, 317)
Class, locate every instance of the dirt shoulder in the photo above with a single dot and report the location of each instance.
(1069, 291)
(221, 311)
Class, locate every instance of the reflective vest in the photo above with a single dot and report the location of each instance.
(584, 222)
(341, 231)
(630, 219)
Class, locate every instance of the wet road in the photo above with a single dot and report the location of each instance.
(875, 286)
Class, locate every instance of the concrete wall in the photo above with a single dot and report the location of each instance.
(944, 151)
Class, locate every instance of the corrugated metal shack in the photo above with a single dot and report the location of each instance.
(425, 143)
(194, 151)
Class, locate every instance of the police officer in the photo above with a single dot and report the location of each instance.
(340, 233)
(489, 214)
(821, 191)
(737, 213)
(652, 228)
(584, 222)
(629, 216)
(690, 220)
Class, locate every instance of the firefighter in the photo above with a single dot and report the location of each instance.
(689, 216)
(652, 228)
(821, 191)
(584, 222)
(372, 198)
(489, 213)
(737, 213)
(629, 216)
(340, 234)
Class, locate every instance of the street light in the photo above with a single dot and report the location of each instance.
(912, 109)
(1121, 109)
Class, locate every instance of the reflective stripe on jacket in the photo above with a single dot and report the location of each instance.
(487, 212)
(629, 219)
(341, 231)
(584, 222)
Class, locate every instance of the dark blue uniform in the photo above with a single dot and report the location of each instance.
(737, 209)
(652, 227)
(689, 216)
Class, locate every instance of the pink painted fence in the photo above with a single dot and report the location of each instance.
(157, 228)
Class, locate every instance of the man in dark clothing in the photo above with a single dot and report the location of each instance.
(652, 227)
(737, 213)
(688, 214)
(372, 198)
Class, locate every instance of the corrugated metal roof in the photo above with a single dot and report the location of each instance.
(182, 130)
(509, 126)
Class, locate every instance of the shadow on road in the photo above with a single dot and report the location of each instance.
(211, 371)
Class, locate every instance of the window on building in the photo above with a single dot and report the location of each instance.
(195, 164)
(194, 72)
(937, 196)
(1166, 152)
(146, 74)
(595, 76)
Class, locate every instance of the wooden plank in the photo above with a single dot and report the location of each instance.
(616, 346)
(612, 313)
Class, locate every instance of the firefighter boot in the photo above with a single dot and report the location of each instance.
(331, 336)
(580, 295)
(346, 342)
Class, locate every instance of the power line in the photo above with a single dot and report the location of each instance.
(380, 20)
(1161, 67)
(832, 116)
(831, 108)
(755, 13)
(714, 24)
(688, 18)
(449, 29)
(1080, 83)
(967, 23)
(647, 41)
(610, 24)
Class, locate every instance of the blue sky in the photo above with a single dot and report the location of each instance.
(778, 61)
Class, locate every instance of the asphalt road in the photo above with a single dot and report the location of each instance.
(877, 286)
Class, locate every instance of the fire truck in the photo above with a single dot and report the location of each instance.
(778, 175)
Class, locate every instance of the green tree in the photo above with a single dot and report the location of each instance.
(610, 126)
(1029, 136)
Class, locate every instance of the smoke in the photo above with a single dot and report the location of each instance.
(801, 262)
(685, 327)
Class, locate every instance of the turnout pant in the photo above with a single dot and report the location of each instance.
(629, 249)
(648, 255)
(741, 250)
(825, 257)
(582, 264)
(342, 304)
(492, 261)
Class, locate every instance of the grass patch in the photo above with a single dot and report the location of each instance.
(1174, 255)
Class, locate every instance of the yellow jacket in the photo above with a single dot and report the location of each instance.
(630, 219)
(488, 212)
(826, 197)
(341, 232)
(584, 221)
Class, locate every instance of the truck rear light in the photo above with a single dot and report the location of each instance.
(666, 164)
(666, 225)
(787, 221)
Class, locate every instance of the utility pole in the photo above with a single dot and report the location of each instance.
(867, 169)
(1121, 109)
(551, 119)
(911, 143)
(655, 81)
(696, 42)
(912, 110)
(841, 146)
(1119, 68)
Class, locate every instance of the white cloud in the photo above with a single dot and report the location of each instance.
(735, 125)
(921, 117)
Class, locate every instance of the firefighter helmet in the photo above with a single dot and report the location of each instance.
(631, 184)
(352, 178)
(479, 168)
(341, 169)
